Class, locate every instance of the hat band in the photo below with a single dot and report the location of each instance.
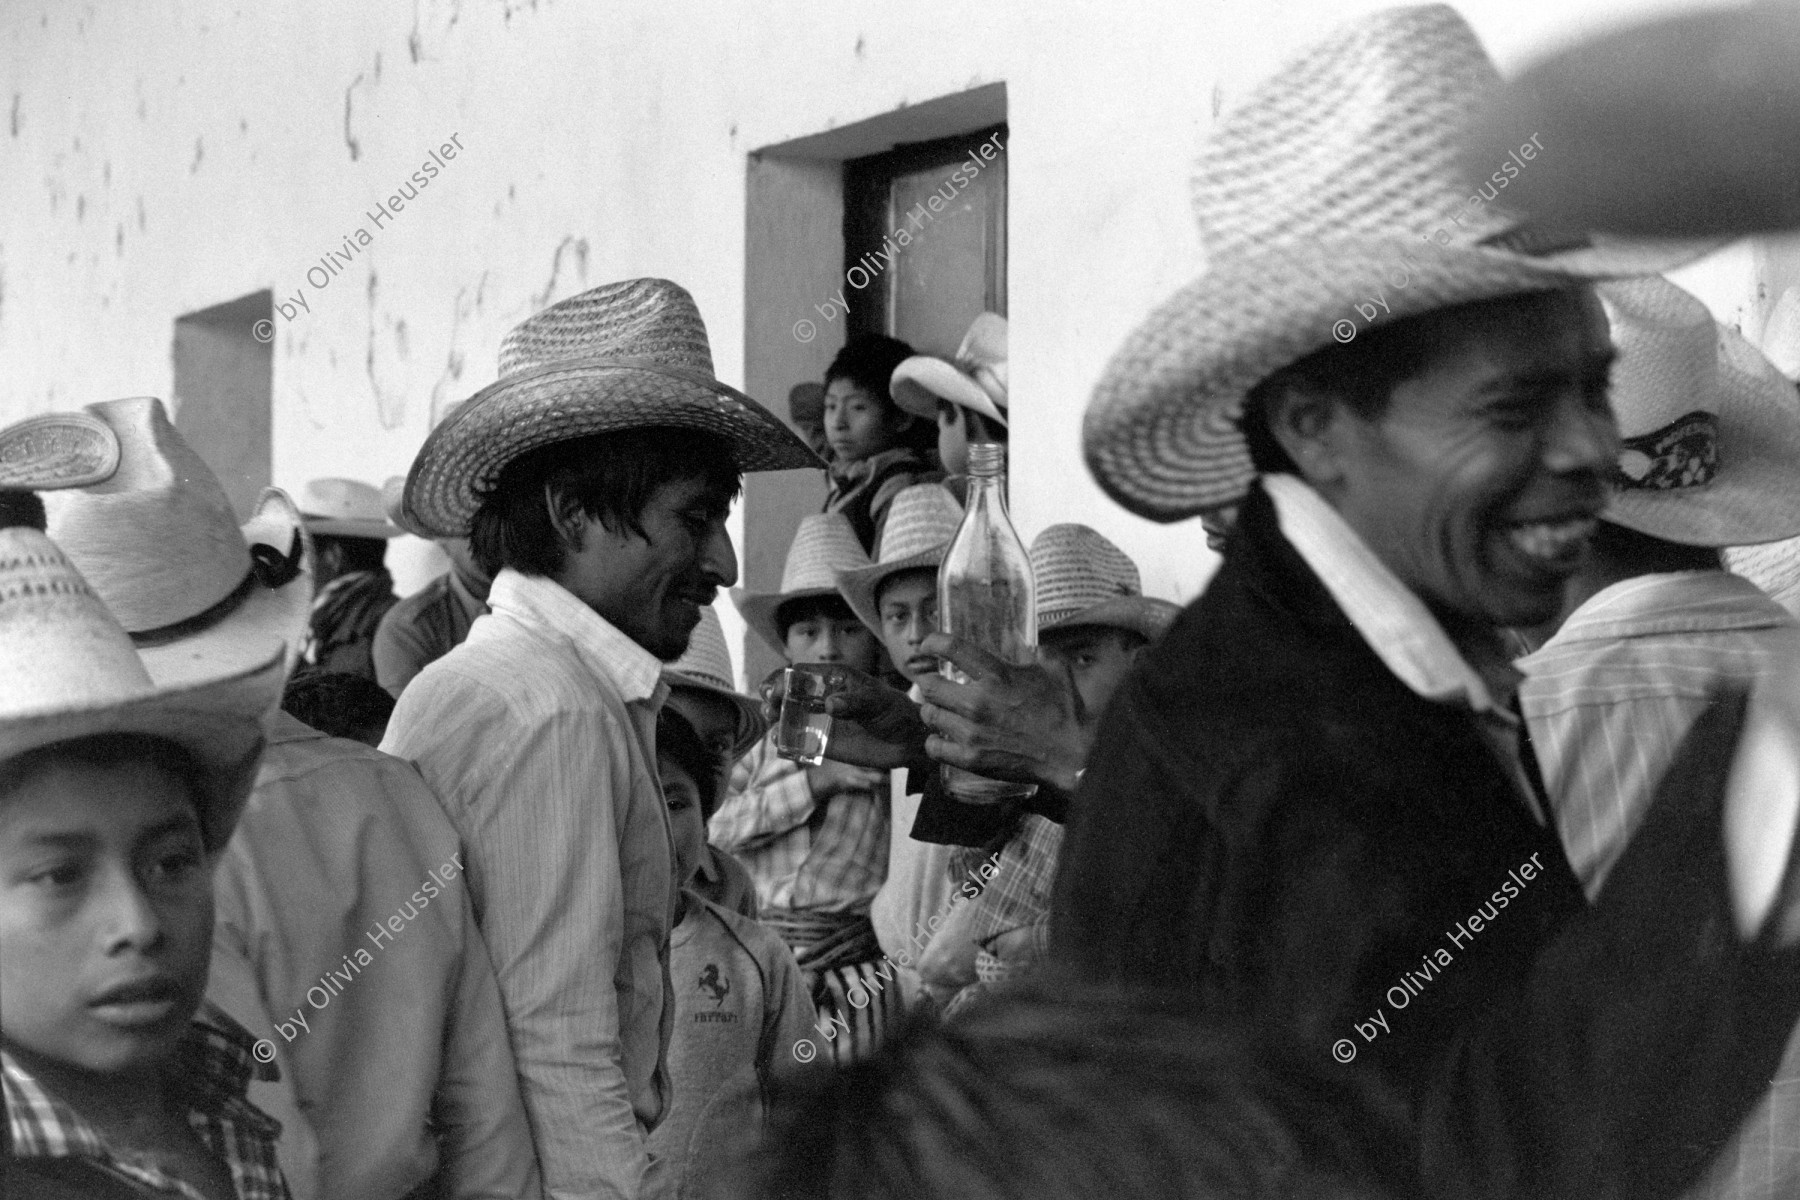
(1682, 454)
(269, 568)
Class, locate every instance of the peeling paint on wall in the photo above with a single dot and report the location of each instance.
(15, 114)
(199, 156)
(349, 109)
(580, 247)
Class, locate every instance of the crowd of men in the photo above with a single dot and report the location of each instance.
(1443, 847)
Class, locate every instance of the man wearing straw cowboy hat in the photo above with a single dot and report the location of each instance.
(1711, 440)
(1309, 798)
(117, 792)
(594, 478)
(335, 837)
(350, 535)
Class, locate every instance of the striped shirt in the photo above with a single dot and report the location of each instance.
(538, 734)
(829, 858)
(212, 1068)
(1609, 699)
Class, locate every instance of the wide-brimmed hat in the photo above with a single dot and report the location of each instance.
(975, 379)
(1333, 185)
(1711, 429)
(621, 356)
(1781, 334)
(1083, 579)
(1688, 125)
(345, 508)
(824, 545)
(67, 671)
(199, 594)
(56, 450)
(921, 523)
(706, 666)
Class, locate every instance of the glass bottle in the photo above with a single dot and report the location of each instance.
(988, 598)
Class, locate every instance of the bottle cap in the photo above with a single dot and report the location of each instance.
(987, 458)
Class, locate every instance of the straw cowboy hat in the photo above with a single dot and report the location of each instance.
(921, 523)
(1685, 126)
(975, 379)
(706, 667)
(823, 546)
(57, 450)
(199, 594)
(1334, 184)
(345, 508)
(1083, 580)
(67, 671)
(1711, 429)
(617, 357)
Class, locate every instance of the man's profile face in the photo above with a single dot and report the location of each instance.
(652, 587)
(1481, 483)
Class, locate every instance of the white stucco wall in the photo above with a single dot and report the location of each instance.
(163, 157)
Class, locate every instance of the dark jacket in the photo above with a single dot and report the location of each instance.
(1274, 823)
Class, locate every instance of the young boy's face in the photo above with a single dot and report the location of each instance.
(687, 820)
(715, 719)
(106, 913)
(907, 604)
(859, 425)
(830, 633)
(1096, 656)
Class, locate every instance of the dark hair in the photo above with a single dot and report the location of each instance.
(894, 577)
(830, 607)
(978, 426)
(21, 509)
(357, 553)
(677, 738)
(868, 360)
(1127, 639)
(1050, 1091)
(338, 703)
(608, 476)
(112, 750)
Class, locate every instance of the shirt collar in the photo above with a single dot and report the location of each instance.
(608, 653)
(1672, 603)
(1391, 619)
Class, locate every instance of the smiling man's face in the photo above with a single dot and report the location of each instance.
(1482, 481)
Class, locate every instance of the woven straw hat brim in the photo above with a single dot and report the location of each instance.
(462, 458)
(57, 450)
(1755, 496)
(1140, 614)
(1161, 432)
(268, 619)
(858, 586)
(921, 381)
(218, 721)
(758, 611)
(750, 725)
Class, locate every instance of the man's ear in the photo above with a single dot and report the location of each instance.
(1310, 424)
(566, 518)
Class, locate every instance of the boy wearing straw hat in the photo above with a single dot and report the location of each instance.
(350, 534)
(1655, 623)
(334, 841)
(1305, 802)
(117, 793)
(815, 838)
(966, 396)
(594, 478)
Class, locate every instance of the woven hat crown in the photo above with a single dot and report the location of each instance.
(1668, 363)
(59, 647)
(158, 539)
(1354, 137)
(706, 658)
(1076, 567)
(922, 517)
(823, 545)
(57, 450)
(342, 500)
(639, 320)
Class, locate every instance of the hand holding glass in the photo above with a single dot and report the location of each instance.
(804, 727)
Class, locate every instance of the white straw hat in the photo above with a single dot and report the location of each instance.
(1083, 579)
(706, 666)
(921, 523)
(56, 450)
(345, 508)
(1781, 334)
(1711, 429)
(67, 671)
(1333, 184)
(975, 380)
(823, 545)
(621, 356)
(199, 594)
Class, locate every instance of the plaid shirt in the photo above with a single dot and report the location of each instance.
(830, 859)
(1018, 897)
(213, 1068)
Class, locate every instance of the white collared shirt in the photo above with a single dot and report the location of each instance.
(1392, 620)
(538, 733)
